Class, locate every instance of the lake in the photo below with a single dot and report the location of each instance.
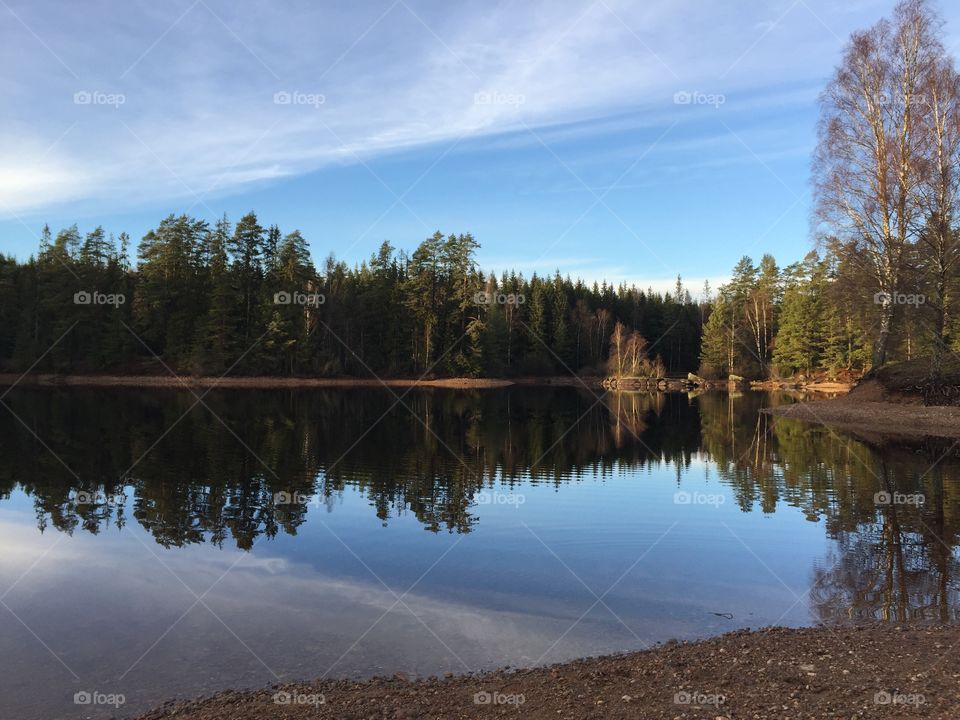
(157, 545)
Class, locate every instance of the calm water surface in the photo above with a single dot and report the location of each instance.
(156, 547)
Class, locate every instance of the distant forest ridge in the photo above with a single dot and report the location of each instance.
(247, 299)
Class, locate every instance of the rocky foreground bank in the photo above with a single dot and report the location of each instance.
(874, 671)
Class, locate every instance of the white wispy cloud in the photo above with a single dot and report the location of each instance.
(193, 83)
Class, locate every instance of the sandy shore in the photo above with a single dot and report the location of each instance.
(881, 420)
(848, 672)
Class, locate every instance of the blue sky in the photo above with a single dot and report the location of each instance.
(620, 140)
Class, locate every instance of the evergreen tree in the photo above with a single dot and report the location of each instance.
(219, 335)
(246, 249)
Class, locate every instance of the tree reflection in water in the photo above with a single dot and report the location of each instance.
(194, 474)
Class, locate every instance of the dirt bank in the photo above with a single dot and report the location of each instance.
(886, 406)
(876, 420)
(850, 672)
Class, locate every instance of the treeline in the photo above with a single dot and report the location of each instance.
(810, 317)
(248, 299)
(769, 322)
(886, 177)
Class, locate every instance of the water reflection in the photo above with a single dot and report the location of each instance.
(212, 472)
(540, 497)
(220, 470)
(199, 474)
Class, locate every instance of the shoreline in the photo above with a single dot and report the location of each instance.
(263, 382)
(266, 382)
(877, 421)
(846, 671)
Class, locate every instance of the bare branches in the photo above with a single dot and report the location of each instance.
(876, 164)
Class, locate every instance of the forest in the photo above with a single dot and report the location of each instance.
(248, 299)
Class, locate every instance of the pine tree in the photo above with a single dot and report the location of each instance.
(246, 248)
(218, 339)
(537, 357)
(424, 298)
(96, 249)
(561, 324)
(715, 348)
(796, 344)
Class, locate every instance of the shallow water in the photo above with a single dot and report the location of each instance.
(150, 548)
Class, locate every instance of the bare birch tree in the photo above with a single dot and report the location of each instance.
(868, 163)
(938, 248)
